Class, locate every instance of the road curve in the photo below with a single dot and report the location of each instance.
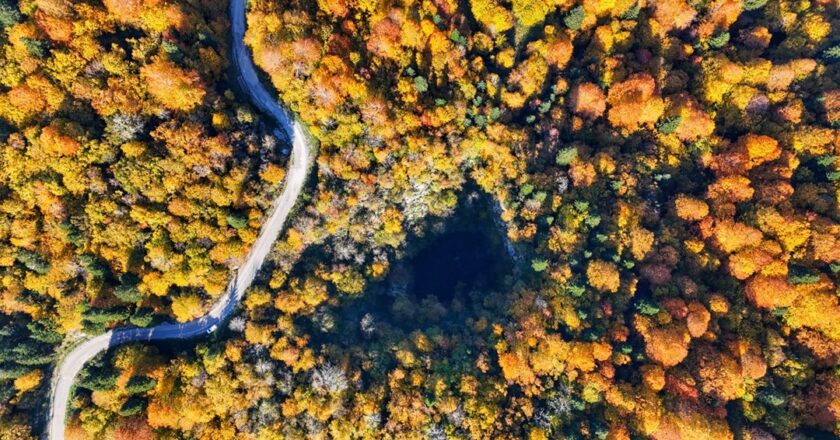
(246, 75)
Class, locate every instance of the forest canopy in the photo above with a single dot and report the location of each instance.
(662, 175)
(132, 178)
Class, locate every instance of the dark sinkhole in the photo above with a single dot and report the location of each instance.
(454, 264)
(459, 257)
(457, 269)
(447, 278)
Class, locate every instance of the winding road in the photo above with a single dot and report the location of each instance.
(246, 75)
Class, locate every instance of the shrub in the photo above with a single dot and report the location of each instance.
(142, 317)
(44, 331)
(237, 221)
(12, 371)
(771, 397)
(575, 290)
(801, 275)
(9, 14)
(574, 18)
(646, 307)
(127, 293)
(719, 40)
(669, 125)
(421, 84)
(456, 37)
(832, 54)
(33, 261)
(72, 234)
(526, 189)
(95, 267)
(632, 13)
(103, 316)
(140, 384)
(751, 5)
(98, 380)
(133, 406)
(566, 156)
(36, 48)
(32, 353)
(539, 265)
(93, 328)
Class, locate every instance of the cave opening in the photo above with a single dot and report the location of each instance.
(464, 254)
(457, 269)
(455, 264)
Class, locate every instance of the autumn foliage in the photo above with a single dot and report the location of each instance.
(660, 178)
(173, 87)
(634, 102)
(118, 178)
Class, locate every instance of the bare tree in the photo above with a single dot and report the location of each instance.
(125, 127)
(263, 366)
(435, 432)
(237, 324)
(266, 413)
(329, 379)
(373, 421)
(367, 324)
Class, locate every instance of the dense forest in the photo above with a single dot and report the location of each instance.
(132, 179)
(661, 178)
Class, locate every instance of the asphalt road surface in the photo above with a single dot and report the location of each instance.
(72, 364)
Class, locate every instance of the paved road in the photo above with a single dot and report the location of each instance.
(72, 364)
